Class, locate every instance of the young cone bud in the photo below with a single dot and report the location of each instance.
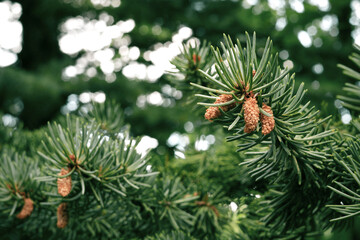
(27, 209)
(267, 123)
(62, 215)
(64, 184)
(214, 112)
(223, 98)
(251, 114)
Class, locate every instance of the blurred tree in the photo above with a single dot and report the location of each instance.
(47, 81)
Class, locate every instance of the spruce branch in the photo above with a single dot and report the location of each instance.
(108, 114)
(191, 59)
(289, 145)
(18, 189)
(172, 202)
(347, 181)
(88, 156)
(256, 83)
(352, 98)
(346, 175)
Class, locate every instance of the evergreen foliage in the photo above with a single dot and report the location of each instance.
(285, 168)
(346, 154)
(352, 101)
(297, 158)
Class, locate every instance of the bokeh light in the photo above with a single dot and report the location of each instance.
(11, 31)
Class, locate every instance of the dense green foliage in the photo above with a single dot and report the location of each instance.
(300, 181)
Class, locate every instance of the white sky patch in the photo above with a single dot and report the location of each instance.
(280, 23)
(162, 54)
(126, 26)
(346, 118)
(99, 97)
(202, 145)
(11, 31)
(89, 35)
(304, 39)
(328, 21)
(104, 55)
(85, 97)
(278, 5)
(204, 142)
(323, 5)
(179, 154)
(233, 206)
(9, 120)
(355, 20)
(106, 3)
(288, 64)
(249, 3)
(69, 72)
(297, 5)
(356, 36)
(97, 40)
(107, 67)
(345, 113)
(355, 15)
(146, 143)
(7, 58)
(135, 70)
(134, 53)
(141, 101)
(154, 72)
(148, 168)
(180, 141)
(71, 105)
(155, 98)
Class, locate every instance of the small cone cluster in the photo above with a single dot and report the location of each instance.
(251, 114)
(62, 215)
(64, 184)
(214, 112)
(196, 58)
(267, 123)
(27, 209)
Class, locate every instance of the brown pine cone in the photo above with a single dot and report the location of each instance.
(64, 184)
(27, 209)
(267, 123)
(214, 112)
(62, 215)
(251, 114)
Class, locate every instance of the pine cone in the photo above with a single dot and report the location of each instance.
(64, 184)
(214, 112)
(267, 123)
(251, 114)
(223, 98)
(62, 215)
(27, 209)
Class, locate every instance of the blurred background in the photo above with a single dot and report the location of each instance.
(57, 56)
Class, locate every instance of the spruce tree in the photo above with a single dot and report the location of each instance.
(284, 171)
